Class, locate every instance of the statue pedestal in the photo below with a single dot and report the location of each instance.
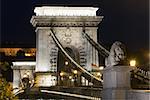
(116, 82)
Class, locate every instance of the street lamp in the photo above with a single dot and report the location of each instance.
(132, 62)
(101, 67)
(70, 77)
(66, 63)
(61, 74)
(75, 77)
(75, 71)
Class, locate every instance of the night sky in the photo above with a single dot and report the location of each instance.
(124, 20)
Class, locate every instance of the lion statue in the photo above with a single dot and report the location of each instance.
(117, 55)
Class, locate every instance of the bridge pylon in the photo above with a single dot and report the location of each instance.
(68, 24)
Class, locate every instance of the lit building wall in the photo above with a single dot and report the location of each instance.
(13, 51)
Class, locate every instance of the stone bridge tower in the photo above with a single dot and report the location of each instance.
(68, 23)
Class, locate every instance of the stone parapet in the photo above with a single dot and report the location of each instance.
(138, 95)
(66, 21)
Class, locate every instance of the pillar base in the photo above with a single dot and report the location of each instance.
(117, 77)
(45, 79)
(116, 82)
(114, 94)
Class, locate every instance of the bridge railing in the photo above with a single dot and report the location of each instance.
(77, 96)
(142, 73)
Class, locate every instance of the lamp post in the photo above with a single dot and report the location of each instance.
(61, 73)
(66, 63)
(75, 72)
(61, 78)
(132, 62)
(75, 78)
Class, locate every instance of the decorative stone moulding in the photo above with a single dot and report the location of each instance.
(66, 21)
(65, 11)
(53, 16)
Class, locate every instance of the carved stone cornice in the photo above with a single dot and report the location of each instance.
(66, 21)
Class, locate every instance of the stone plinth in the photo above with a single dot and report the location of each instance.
(116, 82)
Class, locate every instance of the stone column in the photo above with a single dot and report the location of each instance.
(116, 82)
(43, 70)
(16, 79)
(42, 47)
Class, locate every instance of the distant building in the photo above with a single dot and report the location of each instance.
(21, 64)
(13, 51)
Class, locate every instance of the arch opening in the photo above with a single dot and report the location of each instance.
(67, 73)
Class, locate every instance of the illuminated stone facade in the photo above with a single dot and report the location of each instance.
(68, 28)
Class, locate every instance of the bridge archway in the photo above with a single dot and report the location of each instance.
(67, 72)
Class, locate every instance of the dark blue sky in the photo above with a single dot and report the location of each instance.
(124, 20)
